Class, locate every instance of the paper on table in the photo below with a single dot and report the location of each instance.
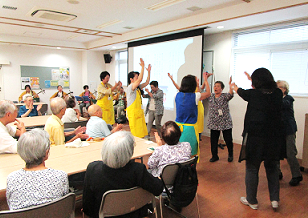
(77, 143)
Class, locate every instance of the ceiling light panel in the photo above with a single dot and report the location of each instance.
(163, 4)
(194, 8)
(110, 23)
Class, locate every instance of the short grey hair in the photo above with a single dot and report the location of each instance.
(56, 105)
(6, 106)
(32, 147)
(285, 85)
(118, 149)
(27, 96)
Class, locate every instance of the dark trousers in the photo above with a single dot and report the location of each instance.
(227, 134)
(252, 179)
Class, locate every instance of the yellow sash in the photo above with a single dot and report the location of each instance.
(136, 118)
(107, 108)
(200, 120)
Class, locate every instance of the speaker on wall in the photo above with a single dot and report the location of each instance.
(107, 58)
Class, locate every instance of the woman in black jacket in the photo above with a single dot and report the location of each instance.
(116, 171)
(263, 134)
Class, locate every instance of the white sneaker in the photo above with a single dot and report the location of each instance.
(244, 201)
(275, 204)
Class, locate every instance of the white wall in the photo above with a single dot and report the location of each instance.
(221, 44)
(83, 67)
(93, 65)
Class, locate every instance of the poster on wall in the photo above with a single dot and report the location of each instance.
(35, 82)
(25, 81)
(49, 77)
(60, 77)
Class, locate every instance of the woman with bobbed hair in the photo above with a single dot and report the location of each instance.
(35, 184)
(170, 150)
(116, 171)
(186, 102)
(71, 114)
(263, 135)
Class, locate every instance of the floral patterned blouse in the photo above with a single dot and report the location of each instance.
(29, 188)
(168, 154)
(219, 113)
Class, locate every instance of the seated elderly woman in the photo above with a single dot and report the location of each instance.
(170, 150)
(116, 171)
(35, 184)
(29, 110)
(71, 114)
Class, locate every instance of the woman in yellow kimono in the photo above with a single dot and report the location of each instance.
(105, 97)
(134, 110)
(28, 91)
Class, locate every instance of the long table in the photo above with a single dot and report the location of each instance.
(37, 121)
(70, 160)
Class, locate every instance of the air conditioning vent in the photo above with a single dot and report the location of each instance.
(53, 15)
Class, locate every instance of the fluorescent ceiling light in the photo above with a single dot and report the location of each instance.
(194, 8)
(110, 23)
(163, 4)
(220, 27)
(58, 48)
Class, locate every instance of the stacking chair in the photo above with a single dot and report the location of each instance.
(61, 208)
(168, 177)
(123, 201)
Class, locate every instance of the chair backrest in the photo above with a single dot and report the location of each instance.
(169, 171)
(61, 208)
(123, 201)
(75, 124)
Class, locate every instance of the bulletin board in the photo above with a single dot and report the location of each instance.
(44, 77)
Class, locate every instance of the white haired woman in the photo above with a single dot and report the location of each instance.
(35, 184)
(116, 171)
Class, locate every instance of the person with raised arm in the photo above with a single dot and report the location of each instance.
(29, 110)
(105, 97)
(134, 110)
(186, 102)
(200, 120)
(263, 135)
(219, 119)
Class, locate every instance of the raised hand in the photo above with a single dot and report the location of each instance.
(248, 76)
(170, 76)
(149, 68)
(146, 89)
(230, 81)
(208, 74)
(141, 62)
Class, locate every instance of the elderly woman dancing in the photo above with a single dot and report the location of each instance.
(35, 184)
(263, 134)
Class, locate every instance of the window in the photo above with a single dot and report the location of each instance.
(121, 67)
(282, 50)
